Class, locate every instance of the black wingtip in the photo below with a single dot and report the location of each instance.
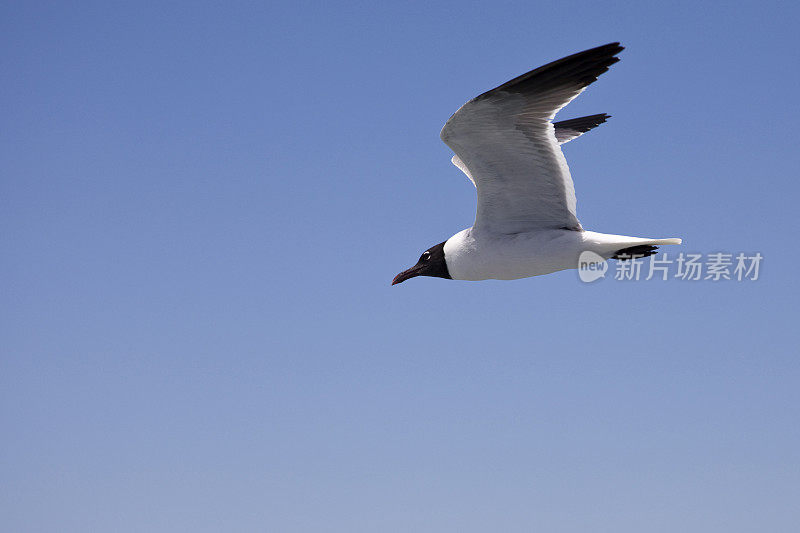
(582, 124)
(635, 252)
(581, 69)
(615, 46)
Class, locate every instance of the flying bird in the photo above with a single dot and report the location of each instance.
(506, 143)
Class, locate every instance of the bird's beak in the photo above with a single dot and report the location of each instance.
(406, 274)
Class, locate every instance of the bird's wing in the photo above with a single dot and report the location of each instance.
(462, 167)
(566, 130)
(508, 145)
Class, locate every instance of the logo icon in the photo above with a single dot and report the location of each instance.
(591, 266)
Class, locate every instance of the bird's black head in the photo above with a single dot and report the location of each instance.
(431, 263)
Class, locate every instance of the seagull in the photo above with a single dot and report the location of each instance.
(506, 143)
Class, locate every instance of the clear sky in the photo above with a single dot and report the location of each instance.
(203, 205)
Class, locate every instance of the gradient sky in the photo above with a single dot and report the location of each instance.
(203, 205)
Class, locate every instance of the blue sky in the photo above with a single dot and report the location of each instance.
(203, 206)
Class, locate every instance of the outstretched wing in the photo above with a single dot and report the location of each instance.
(566, 130)
(507, 143)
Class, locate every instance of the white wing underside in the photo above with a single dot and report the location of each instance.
(505, 142)
(522, 177)
(462, 167)
(566, 131)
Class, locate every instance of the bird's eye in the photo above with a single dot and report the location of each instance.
(425, 256)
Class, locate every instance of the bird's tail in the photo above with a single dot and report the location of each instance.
(671, 240)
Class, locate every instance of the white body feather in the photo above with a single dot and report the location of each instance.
(475, 255)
